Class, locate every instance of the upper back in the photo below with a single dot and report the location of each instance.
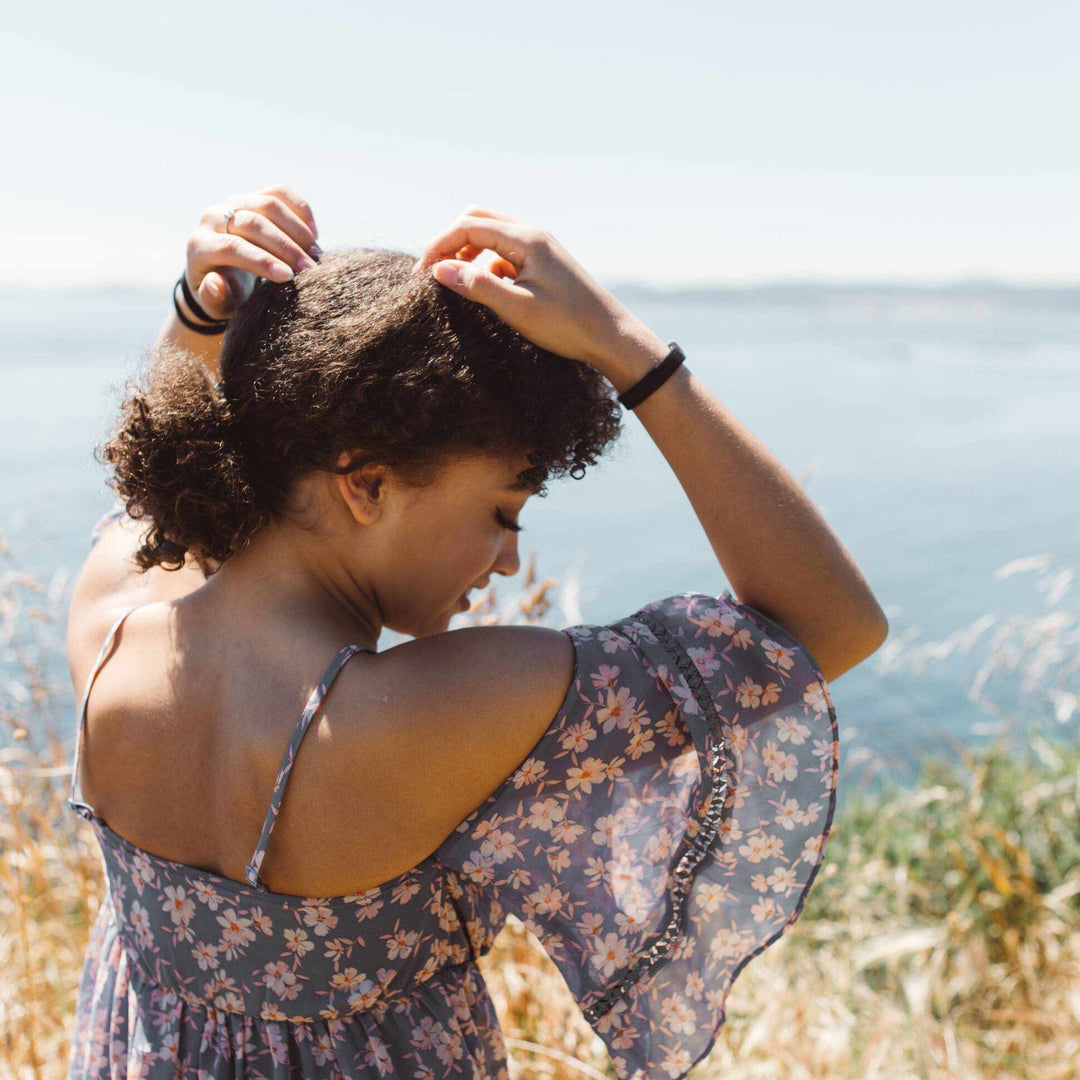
(186, 729)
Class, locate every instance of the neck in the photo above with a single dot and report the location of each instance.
(279, 573)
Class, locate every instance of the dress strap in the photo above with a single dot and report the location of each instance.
(81, 808)
(251, 873)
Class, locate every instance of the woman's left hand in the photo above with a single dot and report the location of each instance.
(271, 234)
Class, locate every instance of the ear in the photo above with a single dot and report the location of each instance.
(363, 490)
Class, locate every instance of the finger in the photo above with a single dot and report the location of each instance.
(262, 231)
(497, 293)
(216, 250)
(213, 294)
(502, 268)
(299, 205)
(509, 239)
(282, 215)
(241, 283)
(498, 266)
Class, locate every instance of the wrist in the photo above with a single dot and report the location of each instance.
(637, 351)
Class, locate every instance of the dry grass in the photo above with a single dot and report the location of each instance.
(941, 940)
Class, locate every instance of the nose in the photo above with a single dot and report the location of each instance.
(508, 562)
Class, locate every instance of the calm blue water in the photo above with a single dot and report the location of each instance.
(938, 433)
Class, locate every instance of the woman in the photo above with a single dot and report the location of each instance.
(355, 453)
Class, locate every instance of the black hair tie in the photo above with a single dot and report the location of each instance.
(663, 371)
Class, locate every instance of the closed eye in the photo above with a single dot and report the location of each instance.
(513, 526)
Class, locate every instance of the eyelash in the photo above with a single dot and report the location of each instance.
(513, 526)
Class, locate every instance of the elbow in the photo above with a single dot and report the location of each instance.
(860, 643)
(875, 631)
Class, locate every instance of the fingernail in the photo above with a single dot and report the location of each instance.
(214, 290)
(281, 273)
(416, 267)
(315, 251)
(306, 263)
(447, 273)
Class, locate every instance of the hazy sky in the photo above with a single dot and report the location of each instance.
(670, 142)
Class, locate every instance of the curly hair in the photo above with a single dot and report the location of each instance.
(353, 352)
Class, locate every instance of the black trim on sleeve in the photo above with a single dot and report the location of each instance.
(714, 787)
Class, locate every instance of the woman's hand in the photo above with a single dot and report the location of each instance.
(536, 287)
(272, 234)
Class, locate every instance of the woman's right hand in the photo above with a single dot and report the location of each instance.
(536, 287)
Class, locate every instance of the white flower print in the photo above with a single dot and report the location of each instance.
(678, 1017)
(500, 845)
(576, 737)
(815, 697)
(320, 918)
(179, 906)
(544, 813)
(351, 981)
(206, 892)
(236, 932)
(789, 813)
(281, 979)
(298, 942)
(616, 710)
(205, 955)
(779, 656)
(640, 744)
(262, 921)
(676, 1062)
(782, 766)
(792, 729)
(400, 944)
(139, 919)
(403, 893)
(591, 771)
(566, 832)
(529, 772)
(611, 955)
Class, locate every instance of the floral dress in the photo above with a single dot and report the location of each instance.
(664, 830)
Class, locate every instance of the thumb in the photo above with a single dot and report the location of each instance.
(214, 294)
(477, 284)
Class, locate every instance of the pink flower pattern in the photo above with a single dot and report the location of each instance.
(665, 829)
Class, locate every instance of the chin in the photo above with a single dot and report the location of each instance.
(438, 625)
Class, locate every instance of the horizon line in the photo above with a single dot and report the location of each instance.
(807, 281)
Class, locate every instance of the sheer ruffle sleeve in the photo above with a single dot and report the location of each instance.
(109, 518)
(668, 825)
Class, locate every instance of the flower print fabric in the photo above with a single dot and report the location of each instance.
(668, 825)
(663, 831)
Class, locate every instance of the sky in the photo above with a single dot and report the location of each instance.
(675, 144)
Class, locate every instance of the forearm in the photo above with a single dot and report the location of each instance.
(207, 347)
(774, 546)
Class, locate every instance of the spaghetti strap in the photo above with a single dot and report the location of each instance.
(81, 808)
(251, 873)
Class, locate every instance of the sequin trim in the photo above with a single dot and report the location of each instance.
(714, 795)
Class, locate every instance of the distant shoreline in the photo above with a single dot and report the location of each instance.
(782, 290)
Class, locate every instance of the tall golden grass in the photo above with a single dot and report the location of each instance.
(941, 939)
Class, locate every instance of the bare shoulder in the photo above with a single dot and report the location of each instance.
(109, 583)
(456, 713)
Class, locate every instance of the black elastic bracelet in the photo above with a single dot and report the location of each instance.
(214, 328)
(193, 304)
(637, 393)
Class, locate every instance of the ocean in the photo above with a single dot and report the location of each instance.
(936, 428)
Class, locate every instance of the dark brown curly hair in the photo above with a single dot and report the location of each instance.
(354, 352)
